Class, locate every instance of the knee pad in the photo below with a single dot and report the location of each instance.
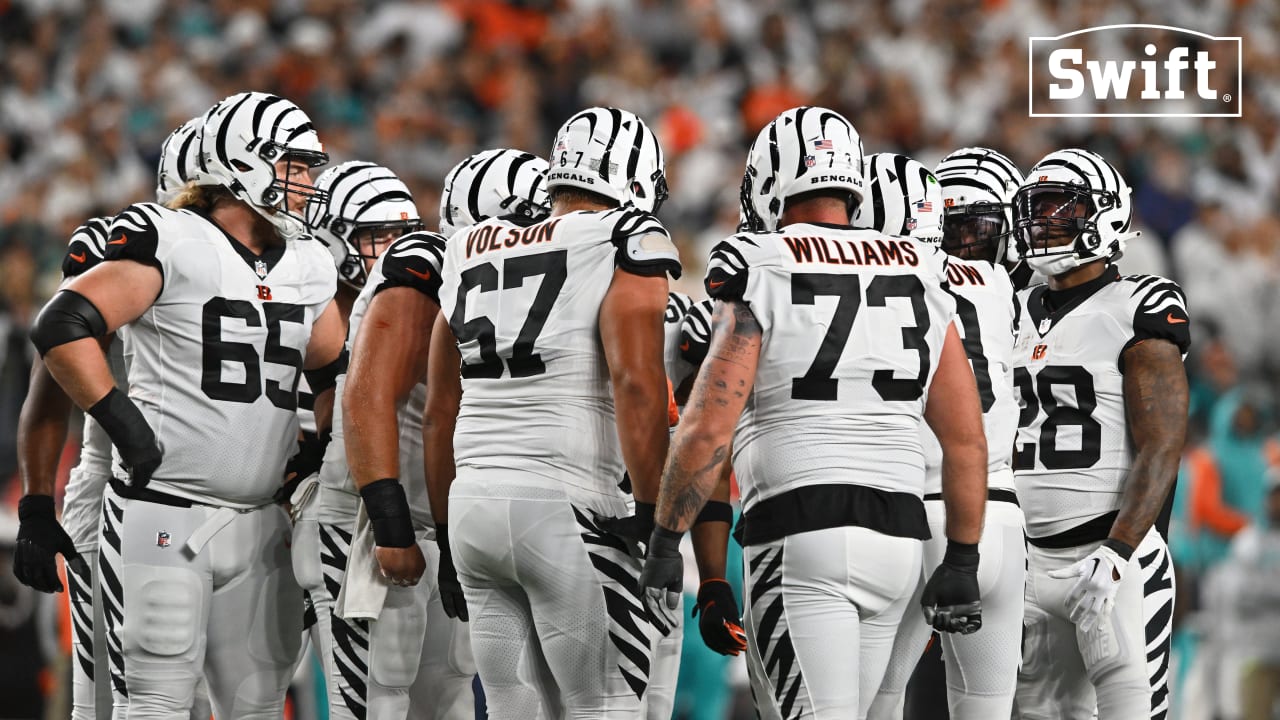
(305, 553)
(275, 620)
(396, 638)
(164, 610)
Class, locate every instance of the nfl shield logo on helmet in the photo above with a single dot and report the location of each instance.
(810, 161)
(260, 268)
(911, 223)
(162, 539)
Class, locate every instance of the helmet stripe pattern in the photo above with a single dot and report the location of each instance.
(577, 159)
(241, 140)
(178, 164)
(357, 196)
(1091, 200)
(805, 149)
(905, 198)
(494, 183)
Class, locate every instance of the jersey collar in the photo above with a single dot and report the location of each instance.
(261, 265)
(1065, 300)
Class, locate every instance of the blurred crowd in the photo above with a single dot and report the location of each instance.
(90, 88)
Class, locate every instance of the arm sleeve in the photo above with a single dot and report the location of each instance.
(87, 247)
(134, 236)
(643, 245)
(414, 261)
(1160, 312)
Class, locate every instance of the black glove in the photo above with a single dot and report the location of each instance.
(635, 528)
(305, 463)
(662, 578)
(123, 422)
(721, 626)
(451, 597)
(40, 539)
(951, 599)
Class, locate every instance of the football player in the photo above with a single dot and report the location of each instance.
(360, 209)
(1103, 396)
(224, 302)
(827, 454)
(557, 326)
(981, 668)
(42, 433)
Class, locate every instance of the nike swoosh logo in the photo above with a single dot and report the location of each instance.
(123, 239)
(1174, 320)
(78, 258)
(415, 273)
(684, 346)
(715, 283)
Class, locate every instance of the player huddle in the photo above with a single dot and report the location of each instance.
(479, 450)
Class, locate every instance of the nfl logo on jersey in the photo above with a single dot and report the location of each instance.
(260, 268)
(162, 539)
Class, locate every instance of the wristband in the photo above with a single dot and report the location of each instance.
(1121, 548)
(961, 555)
(323, 378)
(645, 511)
(388, 511)
(442, 538)
(122, 421)
(35, 507)
(715, 511)
(664, 542)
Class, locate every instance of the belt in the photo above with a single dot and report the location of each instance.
(993, 494)
(130, 492)
(221, 517)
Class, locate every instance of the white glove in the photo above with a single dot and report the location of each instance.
(1094, 593)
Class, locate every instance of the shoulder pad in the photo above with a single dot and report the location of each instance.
(677, 306)
(644, 246)
(695, 333)
(87, 246)
(134, 235)
(1159, 310)
(414, 260)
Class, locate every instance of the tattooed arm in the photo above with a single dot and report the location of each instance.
(700, 448)
(1155, 399)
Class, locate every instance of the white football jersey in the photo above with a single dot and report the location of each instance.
(1073, 454)
(214, 362)
(985, 319)
(524, 304)
(413, 261)
(853, 324)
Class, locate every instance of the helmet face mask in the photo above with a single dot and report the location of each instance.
(805, 149)
(360, 209)
(978, 185)
(1073, 209)
(976, 231)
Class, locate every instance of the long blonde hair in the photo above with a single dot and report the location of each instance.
(203, 198)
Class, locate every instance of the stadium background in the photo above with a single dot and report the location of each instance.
(89, 89)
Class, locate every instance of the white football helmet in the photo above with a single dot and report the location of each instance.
(804, 149)
(905, 199)
(1077, 194)
(178, 162)
(610, 152)
(977, 202)
(355, 201)
(242, 139)
(493, 183)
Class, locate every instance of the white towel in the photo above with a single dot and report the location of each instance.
(364, 590)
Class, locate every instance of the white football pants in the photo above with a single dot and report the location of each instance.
(982, 668)
(822, 610)
(557, 625)
(1065, 672)
(225, 604)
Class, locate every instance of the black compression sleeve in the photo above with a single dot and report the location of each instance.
(68, 317)
(323, 378)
